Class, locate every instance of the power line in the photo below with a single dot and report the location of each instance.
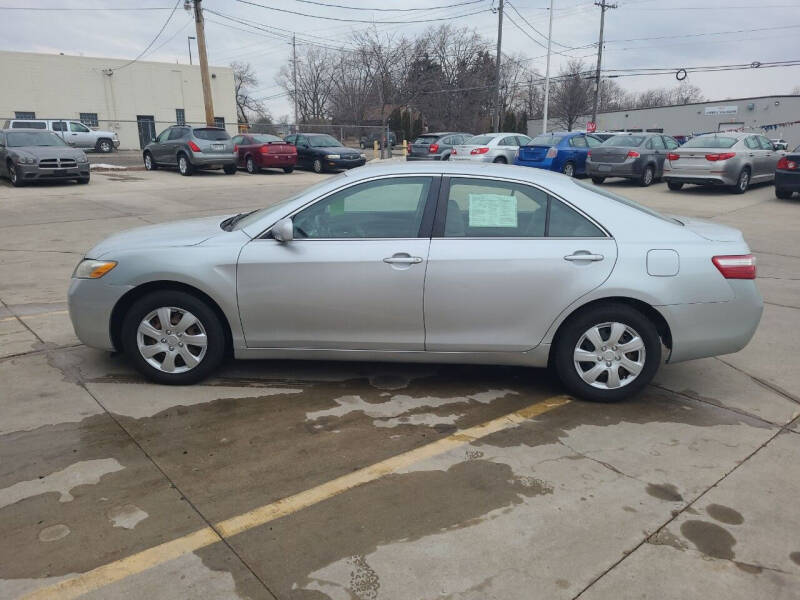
(362, 8)
(529, 24)
(170, 38)
(685, 35)
(153, 41)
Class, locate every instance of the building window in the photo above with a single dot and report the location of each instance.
(180, 116)
(24, 114)
(89, 119)
(219, 122)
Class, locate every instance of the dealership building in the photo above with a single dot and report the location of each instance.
(779, 114)
(136, 100)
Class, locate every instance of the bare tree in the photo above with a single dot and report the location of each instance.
(315, 83)
(247, 106)
(571, 94)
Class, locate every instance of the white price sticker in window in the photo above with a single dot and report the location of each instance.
(492, 210)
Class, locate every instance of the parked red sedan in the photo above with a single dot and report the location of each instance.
(256, 151)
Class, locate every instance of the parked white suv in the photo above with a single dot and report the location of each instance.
(75, 133)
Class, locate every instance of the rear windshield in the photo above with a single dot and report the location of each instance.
(477, 140)
(214, 135)
(711, 141)
(15, 139)
(546, 140)
(622, 200)
(265, 138)
(426, 139)
(624, 140)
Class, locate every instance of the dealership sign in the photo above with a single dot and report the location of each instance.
(721, 110)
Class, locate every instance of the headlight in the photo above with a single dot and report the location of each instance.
(332, 156)
(27, 160)
(93, 269)
(82, 159)
(363, 155)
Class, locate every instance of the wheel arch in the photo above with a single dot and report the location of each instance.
(126, 301)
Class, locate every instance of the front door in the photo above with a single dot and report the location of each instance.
(79, 135)
(507, 259)
(147, 129)
(352, 277)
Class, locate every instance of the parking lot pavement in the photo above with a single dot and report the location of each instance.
(280, 479)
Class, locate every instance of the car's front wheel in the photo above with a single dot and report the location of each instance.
(173, 337)
(105, 146)
(14, 176)
(149, 163)
(607, 353)
(317, 166)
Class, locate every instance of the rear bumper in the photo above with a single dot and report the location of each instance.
(428, 157)
(217, 159)
(547, 163)
(786, 180)
(713, 328)
(623, 169)
(723, 173)
(277, 162)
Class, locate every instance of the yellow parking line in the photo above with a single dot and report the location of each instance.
(141, 561)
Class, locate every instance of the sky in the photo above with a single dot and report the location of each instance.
(639, 34)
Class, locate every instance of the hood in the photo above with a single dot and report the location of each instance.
(179, 233)
(41, 152)
(712, 231)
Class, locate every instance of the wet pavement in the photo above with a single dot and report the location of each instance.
(311, 480)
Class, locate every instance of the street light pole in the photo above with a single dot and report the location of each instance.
(189, 39)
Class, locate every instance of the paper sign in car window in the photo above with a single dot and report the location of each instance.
(492, 210)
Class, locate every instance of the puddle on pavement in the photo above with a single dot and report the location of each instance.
(664, 491)
(710, 539)
(724, 514)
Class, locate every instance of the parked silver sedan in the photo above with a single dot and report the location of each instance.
(723, 159)
(490, 147)
(426, 262)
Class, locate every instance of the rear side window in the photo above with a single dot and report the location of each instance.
(480, 140)
(657, 142)
(566, 222)
(176, 133)
(214, 135)
(752, 143)
(59, 126)
(578, 142)
(29, 125)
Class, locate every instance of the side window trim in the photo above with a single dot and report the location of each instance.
(444, 194)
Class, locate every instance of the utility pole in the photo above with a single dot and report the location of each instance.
(294, 80)
(497, 65)
(201, 50)
(547, 74)
(603, 8)
(189, 39)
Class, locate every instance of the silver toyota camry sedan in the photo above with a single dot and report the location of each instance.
(430, 262)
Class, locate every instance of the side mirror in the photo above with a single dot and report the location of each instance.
(283, 230)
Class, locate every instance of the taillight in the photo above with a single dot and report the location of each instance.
(483, 150)
(785, 163)
(194, 147)
(433, 148)
(741, 266)
(633, 154)
(552, 152)
(236, 147)
(673, 156)
(720, 156)
(589, 154)
(454, 152)
(264, 149)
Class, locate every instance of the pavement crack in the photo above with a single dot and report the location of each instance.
(40, 251)
(603, 463)
(782, 305)
(767, 384)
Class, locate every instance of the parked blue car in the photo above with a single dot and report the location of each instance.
(563, 151)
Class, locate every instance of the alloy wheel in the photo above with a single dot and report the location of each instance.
(250, 165)
(148, 162)
(318, 166)
(105, 147)
(182, 164)
(744, 179)
(569, 170)
(171, 339)
(648, 176)
(12, 173)
(609, 355)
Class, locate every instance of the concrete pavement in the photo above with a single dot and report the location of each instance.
(240, 487)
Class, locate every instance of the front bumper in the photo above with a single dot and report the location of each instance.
(32, 172)
(115, 142)
(713, 328)
(786, 180)
(90, 304)
(216, 159)
(343, 163)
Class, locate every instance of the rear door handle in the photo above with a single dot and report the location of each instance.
(403, 260)
(583, 256)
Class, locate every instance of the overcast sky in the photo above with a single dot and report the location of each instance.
(124, 34)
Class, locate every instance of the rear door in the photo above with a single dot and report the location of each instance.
(504, 261)
(508, 147)
(80, 135)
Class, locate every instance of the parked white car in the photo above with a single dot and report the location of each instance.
(490, 147)
(74, 133)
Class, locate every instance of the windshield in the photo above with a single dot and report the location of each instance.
(33, 138)
(711, 141)
(322, 141)
(546, 140)
(624, 140)
(478, 140)
(265, 138)
(622, 200)
(214, 135)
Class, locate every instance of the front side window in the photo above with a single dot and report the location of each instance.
(511, 140)
(323, 141)
(386, 208)
(765, 143)
(523, 140)
(752, 143)
(162, 137)
(77, 127)
(593, 141)
(59, 126)
(670, 143)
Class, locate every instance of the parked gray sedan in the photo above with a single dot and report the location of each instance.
(490, 147)
(28, 155)
(637, 156)
(437, 262)
(436, 146)
(191, 148)
(726, 158)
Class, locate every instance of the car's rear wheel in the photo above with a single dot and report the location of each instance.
(607, 353)
(149, 163)
(185, 167)
(674, 185)
(598, 180)
(501, 160)
(230, 169)
(647, 176)
(446, 157)
(105, 146)
(250, 165)
(782, 193)
(569, 169)
(173, 337)
(742, 182)
(288, 169)
(14, 176)
(317, 166)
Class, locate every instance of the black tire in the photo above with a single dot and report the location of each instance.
(647, 176)
(288, 169)
(104, 145)
(317, 166)
(568, 169)
(13, 175)
(185, 166)
(742, 182)
(250, 166)
(598, 180)
(674, 185)
(782, 193)
(501, 160)
(149, 163)
(214, 329)
(230, 169)
(84, 180)
(446, 157)
(573, 330)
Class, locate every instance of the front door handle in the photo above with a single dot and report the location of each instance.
(402, 259)
(578, 256)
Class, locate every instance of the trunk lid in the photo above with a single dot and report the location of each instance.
(712, 231)
(610, 154)
(421, 146)
(535, 153)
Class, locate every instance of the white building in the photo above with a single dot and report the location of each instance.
(136, 101)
